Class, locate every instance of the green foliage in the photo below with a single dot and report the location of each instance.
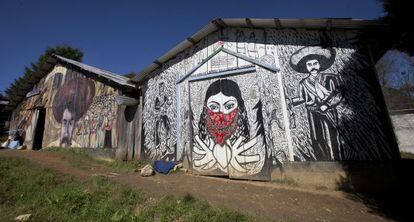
(187, 209)
(130, 75)
(82, 159)
(26, 188)
(406, 155)
(62, 50)
(399, 98)
(24, 84)
(401, 32)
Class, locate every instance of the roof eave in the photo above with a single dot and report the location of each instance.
(218, 23)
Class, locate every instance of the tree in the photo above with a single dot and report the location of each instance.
(23, 84)
(401, 31)
(130, 75)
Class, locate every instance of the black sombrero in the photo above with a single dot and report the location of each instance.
(325, 56)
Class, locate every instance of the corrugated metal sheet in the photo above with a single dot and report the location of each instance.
(51, 62)
(4, 102)
(321, 24)
(121, 80)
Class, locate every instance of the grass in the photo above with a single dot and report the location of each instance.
(81, 157)
(26, 188)
(405, 155)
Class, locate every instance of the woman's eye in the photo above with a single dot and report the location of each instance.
(213, 107)
(229, 106)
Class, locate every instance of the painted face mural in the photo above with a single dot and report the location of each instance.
(223, 142)
(68, 121)
(70, 104)
(222, 111)
(313, 66)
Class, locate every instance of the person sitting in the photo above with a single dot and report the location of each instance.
(16, 142)
(6, 143)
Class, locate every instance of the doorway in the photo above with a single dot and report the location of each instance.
(228, 131)
(39, 128)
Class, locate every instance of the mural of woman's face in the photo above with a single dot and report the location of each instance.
(222, 111)
(222, 103)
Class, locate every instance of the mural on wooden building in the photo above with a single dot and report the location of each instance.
(308, 96)
(80, 111)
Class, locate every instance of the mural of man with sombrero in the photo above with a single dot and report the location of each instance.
(320, 92)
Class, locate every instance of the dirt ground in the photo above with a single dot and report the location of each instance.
(262, 200)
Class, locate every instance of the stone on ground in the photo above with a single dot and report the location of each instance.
(23, 217)
(147, 171)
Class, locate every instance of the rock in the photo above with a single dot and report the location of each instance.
(23, 217)
(22, 147)
(177, 166)
(147, 171)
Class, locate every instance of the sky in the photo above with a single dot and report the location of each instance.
(126, 36)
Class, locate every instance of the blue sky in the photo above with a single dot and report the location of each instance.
(123, 36)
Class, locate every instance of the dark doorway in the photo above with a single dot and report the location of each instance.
(40, 128)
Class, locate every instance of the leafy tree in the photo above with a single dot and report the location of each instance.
(398, 89)
(401, 32)
(130, 75)
(23, 84)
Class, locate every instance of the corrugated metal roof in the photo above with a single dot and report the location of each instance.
(51, 62)
(214, 25)
(121, 80)
(4, 102)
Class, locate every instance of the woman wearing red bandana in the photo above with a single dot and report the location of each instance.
(224, 135)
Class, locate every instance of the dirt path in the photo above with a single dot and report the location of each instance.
(263, 200)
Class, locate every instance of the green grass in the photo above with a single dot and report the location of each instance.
(187, 209)
(83, 160)
(26, 188)
(406, 155)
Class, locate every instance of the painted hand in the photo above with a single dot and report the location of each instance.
(238, 153)
(323, 108)
(205, 149)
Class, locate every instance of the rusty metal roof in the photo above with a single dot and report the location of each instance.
(216, 24)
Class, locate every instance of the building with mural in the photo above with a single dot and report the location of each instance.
(243, 95)
(237, 98)
(4, 116)
(74, 105)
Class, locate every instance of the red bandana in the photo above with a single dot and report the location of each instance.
(221, 126)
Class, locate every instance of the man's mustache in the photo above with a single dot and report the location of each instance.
(314, 69)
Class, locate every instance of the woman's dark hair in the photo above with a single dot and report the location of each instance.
(228, 88)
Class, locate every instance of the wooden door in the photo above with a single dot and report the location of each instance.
(228, 131)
